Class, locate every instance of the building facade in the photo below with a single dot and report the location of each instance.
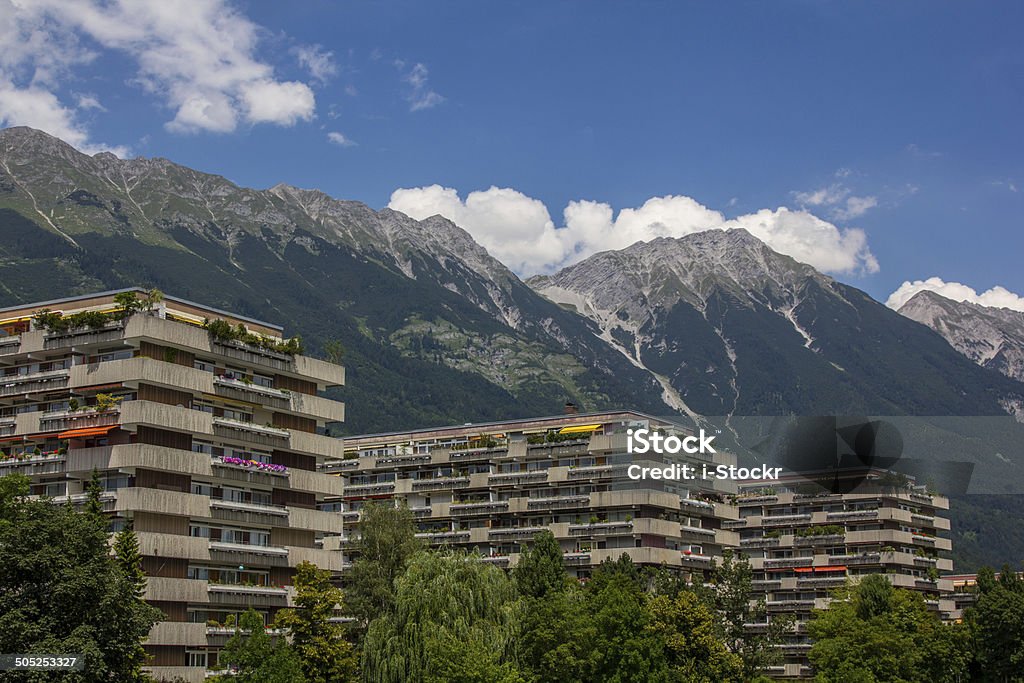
(804, 542)
(492, 487)
(207, 445)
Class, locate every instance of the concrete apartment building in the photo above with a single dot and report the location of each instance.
(492, 487)
(210, 448)
(803, 543)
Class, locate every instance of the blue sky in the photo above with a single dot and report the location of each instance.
(899, 120)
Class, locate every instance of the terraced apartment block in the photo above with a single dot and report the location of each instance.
(208, 447)
(492, 487)
(803, 543)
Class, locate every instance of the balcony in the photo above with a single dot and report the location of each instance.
(597, 472)
(517, 533)
(51, 380)
(244, 554)
(253, 466)
(250, 392)
(696, 530)
(758, 542)
(341, 465)
(440, 483)
(601, 529)
(477, 453)
(9, 345)
(734, 523)
(852, 515)
(557, 503)
(253, 354)
(783, 562)
(785, 520)
(254, 596)
(517, 478)
(250, 431)
(370, 489)
(863, 558)
(34, 465)
(698, 505)
(468, 509)
(77, 419)
(249, 513)
(84, 336)
(410, 459)
(497, 560)
(444, 536)
(576, 559)
(823, 539)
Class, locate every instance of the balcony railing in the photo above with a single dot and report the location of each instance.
(11, 385)
(250, 431)
(513, 478)
(600, 528)
(369, 489)
(466, 509)
(853, 514)
(83, 336)
(444, 536)
(527, 532)
(68, 419)
(402, 459)
(440, 483)
(785, 520)
(597, 472)
(557, 503)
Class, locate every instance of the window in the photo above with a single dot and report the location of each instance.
(195, 658)
(198, 531)
(203, 365)
(263, 381)
(234, 495)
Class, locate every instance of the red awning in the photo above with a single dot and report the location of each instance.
(84, 432)
(840, 568)
(802, 570)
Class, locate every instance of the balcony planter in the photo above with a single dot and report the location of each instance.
(254, 464)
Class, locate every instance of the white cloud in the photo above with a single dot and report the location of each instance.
(998, 297)
(87, 101)
(420, 95)
(200, 62)
(317, 61)
(519, 231)
(339, 139)
(837, 200)
(285, 103)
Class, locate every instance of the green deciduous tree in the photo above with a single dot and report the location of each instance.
(996, 624)
(874, 632)
(62, 592)
(325, 655)
(255, 657)
(540, 569)
(449, 609)
(688, 628)
(737, 605)
(387, 539)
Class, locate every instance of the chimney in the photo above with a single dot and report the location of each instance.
(571, 408)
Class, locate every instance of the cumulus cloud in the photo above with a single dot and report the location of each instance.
(200, 63)
(837, 200)
(340, 139)
(519, 231)
(997, 297)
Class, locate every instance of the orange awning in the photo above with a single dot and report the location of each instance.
(802, 570)
(840, 568)
(84, 432)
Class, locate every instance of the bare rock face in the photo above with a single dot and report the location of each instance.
(991, 337)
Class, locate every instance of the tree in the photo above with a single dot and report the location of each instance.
(996, 623)
(255, 657)
(334, 350)
(126, 553)
(62, 592)
(623, 648)
(94, 501)
(689, 630)
(450, 609)
(540, 569)
(325, 655)
(556, 636)
(874, 632)
(387, 540)
(737, 605)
